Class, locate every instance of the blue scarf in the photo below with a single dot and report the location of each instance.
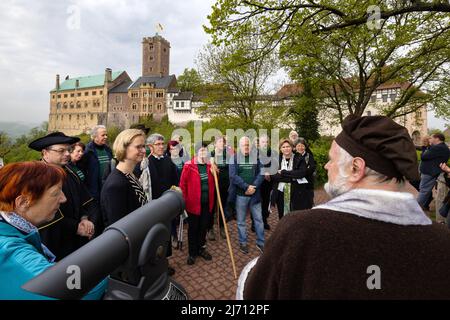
(23, 225)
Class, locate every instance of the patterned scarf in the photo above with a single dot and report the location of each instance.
(23, 225)
(137, 188)
(286, 187)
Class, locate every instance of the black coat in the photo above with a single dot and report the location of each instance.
(432, 158)
(302, 195)
(60, 235)
(118, 198)
(163, 173)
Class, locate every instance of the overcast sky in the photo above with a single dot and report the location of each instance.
(42, 38)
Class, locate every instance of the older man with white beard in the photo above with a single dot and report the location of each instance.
(371, 241)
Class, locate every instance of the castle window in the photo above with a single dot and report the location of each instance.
(159, 106)
(160, 94)
(101, 92)
(79, 94)
(92, 117)
(78, 104)
(72, 95)
(135, 94)
(86, 104)
(65, 95)
(134, 106)
(59, 96)
(86, 93)
(65, 105)
(72, 105)
(78, 117)
(53, 96)
(144, 107)
(94, 93)
(118, 99)
(151, 58)
(58, 105)
(70, 117)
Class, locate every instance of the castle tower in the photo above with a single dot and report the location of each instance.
(155, 56)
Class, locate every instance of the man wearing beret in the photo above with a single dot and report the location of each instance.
(372, 240)
(75, 223)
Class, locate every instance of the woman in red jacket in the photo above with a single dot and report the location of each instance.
(197, 185)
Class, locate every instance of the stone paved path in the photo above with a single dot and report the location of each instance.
(214, 280)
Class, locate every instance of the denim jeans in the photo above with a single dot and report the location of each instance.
(426, 187)
(242, 204)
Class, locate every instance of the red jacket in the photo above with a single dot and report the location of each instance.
(190, 185)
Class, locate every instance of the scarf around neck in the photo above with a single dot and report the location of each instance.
(26, 227)
(387, 206)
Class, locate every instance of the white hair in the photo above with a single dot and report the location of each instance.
(154, 137)
(95, 129)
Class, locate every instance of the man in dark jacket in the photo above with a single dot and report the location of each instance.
(96, 158)
(75, 223)
(371, 241)
(429, 167)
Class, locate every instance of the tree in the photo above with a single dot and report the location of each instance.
(235, 89)
(352, 47)
(189, 80)
(5, 144)
(304, 111)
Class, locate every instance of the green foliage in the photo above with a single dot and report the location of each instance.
(163, 127)
(112, 131)
(190, 80)
(304, 112)
(20, 151)
(320, 149)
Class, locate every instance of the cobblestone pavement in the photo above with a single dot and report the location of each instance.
(214, 280)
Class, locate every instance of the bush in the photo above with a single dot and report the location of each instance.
(320, 150)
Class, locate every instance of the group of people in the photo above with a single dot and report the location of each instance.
(50, 208)
(434, 173)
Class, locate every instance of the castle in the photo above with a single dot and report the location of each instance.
(113, 98)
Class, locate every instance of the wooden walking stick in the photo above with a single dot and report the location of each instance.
(219, 201)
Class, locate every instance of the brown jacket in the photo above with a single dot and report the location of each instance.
(324, 254)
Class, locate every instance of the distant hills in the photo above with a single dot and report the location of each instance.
(16, 129)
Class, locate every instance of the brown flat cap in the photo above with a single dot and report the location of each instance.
(385, 146)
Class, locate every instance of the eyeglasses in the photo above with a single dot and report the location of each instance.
(60, 151)
(139, 147)
(159, 144)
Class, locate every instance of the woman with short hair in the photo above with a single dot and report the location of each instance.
(122, 193)
(30, 195)
(76, 153)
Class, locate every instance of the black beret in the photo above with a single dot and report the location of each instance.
(140, 126)
(51, 139)
(385, 146)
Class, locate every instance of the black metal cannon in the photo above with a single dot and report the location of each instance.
(132, 252)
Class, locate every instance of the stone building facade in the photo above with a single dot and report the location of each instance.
(78, 104)
(112, 98)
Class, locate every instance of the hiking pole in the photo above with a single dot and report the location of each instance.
(219, 201)
(180, 234)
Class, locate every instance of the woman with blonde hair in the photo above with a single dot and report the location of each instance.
(122, 193)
